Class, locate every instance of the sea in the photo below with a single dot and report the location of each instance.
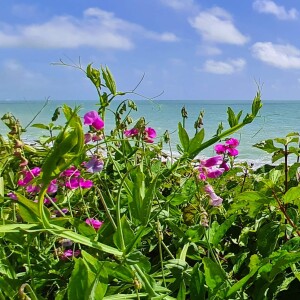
(276, 119)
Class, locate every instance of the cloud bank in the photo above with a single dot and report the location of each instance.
(277, 55)
(270, 7)
(97, 28)
(224, 67)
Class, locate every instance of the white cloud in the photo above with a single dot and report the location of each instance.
(270, 7)
(224, 67)
(216, 25)
(163, 37)
(97, 28)
(277, 55)
(180, 4)
(208, 50)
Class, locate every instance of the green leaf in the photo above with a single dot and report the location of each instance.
(123, 273)
(78, 238)
(7, 288)
(135, 241)
(126, 231)
(109, 80)
(267, 145)
(233, 120)
(29, 210)
(214, 274)
(1, 189)
(277, 155)
(274, 176)
(141, 201)
(196, 142)
(85, 283)
(292, 244)
(93, 75)
(197, 288)
(267, 237)
(137, 258)
(40, 126)
(256, 104)
(255, 265)
(222, 229)
(291, 195)
(128, 296)
(183, 137)
(281, 261)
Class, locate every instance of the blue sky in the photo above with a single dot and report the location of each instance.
(187, 49)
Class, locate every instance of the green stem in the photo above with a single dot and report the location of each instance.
(160, 238)
(41, 208)
(286, 168)
(106, 209)
(145, 281)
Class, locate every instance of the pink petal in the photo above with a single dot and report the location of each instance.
(90, 117)
(232, 152)
(213, 161)
(220, 149)
(232, 142)
(98, 123)
(215, 173)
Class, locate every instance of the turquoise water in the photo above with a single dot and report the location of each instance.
(276, 119)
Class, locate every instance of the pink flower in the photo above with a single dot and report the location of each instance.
(12, 196)
(59, 214)
(228, 148)
(92, 137)
(72, 183)
(87, 137)
(72, 171)
(232, 152)
(47, 201)
(94, 165)
(215, 200)
(93, 119)
(220, 149)
(76, 182)
(85, 184)
(32, 189)
(52, 188)
(214, 173)
(210, 168)
(224, 166)
(131, 133)
(68, 254)
(96, 224)
(150, 134)
(212, 161)
(232, 142)
(29, 175)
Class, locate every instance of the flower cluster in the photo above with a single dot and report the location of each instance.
(93, 119)
(148, 134)
(229, 147)
(95, 122)
(70, 179)
(96, 224)
(69, 254)
(94, 165)
(212, 167)
(215, 166)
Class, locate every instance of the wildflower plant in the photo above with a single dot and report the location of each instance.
(92, 213)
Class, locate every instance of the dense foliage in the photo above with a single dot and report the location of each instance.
(87, 214)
